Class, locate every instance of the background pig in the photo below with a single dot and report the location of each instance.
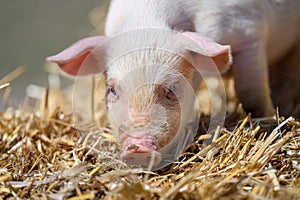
(155, 52)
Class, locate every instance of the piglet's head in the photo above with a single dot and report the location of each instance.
(150, 87)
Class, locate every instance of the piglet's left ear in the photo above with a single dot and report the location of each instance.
(206, 54)
(86, 56)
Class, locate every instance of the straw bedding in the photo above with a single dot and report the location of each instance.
(46, 154)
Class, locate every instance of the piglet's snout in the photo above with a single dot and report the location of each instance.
(140, 151)
(139, 139)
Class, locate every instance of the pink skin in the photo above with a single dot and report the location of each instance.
(252, 28)
(138, 146)
(139, 149)
(147, 121)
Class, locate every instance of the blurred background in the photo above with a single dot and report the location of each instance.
(31, 30)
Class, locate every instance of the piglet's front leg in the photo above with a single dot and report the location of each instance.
(250, 72)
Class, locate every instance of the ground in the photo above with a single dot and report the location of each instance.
(47, 153)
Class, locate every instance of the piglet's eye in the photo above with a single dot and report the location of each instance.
(112, 90)
(172, 91)
(112, 94)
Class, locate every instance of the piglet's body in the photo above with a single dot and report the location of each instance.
(259, 33)
(154, 51)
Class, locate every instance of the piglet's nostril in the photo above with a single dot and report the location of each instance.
(132, 147)
(140, 151)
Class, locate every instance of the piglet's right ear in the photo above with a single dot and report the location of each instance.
(83, 57)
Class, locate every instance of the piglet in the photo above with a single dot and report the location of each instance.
(155, 53)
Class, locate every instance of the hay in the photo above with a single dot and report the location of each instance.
(46, 155)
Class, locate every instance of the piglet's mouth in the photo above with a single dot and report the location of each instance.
(140, 152)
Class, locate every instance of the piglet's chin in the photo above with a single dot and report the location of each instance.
(140, 152)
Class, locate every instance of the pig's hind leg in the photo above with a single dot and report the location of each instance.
(250, 72)
(285, 83)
